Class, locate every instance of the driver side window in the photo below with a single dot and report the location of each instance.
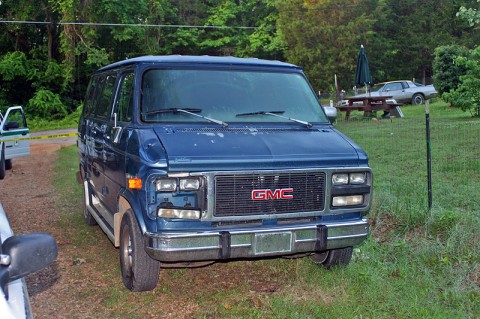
(124, 105)
(393, 86)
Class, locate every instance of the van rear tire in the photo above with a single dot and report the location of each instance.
(139, 271)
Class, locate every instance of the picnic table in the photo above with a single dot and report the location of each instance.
(368, 104)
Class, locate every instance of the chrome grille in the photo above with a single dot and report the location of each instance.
(233, 193)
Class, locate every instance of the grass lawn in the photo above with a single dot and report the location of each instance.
(417, 263)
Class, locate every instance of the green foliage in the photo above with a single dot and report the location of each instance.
(472, 15)
(446, 72)
(46, 104)
(36, 124)
(406, 37)
(467, 94)
(324, 36)
(95, 57)
(262, 42)
(35, 84)
(12, 65)
(265, 42)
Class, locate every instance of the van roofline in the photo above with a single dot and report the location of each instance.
(205, 60)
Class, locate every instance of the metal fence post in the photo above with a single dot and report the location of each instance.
(429, 154)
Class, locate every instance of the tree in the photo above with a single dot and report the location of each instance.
(324, 37)
(472, 15)
(446, 72)
(467, 94)
(407, 37)
(253, 34)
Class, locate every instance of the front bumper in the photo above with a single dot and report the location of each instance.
(255, 242)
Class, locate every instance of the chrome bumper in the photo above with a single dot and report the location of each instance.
(255, 242)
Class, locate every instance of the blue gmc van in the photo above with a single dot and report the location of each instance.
(186, 160)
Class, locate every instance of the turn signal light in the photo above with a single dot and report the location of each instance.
(134, 183)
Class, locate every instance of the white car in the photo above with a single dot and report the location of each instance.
(19, 256)
(14, 137)
(403, 91)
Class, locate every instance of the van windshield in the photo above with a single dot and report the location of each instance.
(223, 94)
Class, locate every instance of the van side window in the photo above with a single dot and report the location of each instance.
(105, 98)
(124, 105)
(90, 96)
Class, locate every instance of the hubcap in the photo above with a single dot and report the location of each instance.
(127, 252)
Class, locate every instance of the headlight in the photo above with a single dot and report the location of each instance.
(189, 184)
(349, 178)
(353, 200)
(358, 178)
(339, 179)
(166, 185)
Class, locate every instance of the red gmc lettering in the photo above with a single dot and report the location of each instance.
(268, 194)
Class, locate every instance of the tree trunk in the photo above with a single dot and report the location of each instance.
(50, 30)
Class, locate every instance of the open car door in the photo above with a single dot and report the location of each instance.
(14, 133)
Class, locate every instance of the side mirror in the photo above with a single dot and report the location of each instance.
(331, 113)
(29, 253)
(11, 125)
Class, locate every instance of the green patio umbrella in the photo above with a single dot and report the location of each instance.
(362, 73)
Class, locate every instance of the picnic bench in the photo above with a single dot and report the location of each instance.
(368, 104)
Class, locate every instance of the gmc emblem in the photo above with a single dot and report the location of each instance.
(268, 194)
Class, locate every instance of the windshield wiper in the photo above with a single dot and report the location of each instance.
(260, 113)
(190, 111)
(172, 110)
(276, 113)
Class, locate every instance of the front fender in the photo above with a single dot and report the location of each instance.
(126, 200)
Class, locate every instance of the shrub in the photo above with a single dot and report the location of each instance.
(12, 65)
(446, 72)
(47, 105)
(467, 94)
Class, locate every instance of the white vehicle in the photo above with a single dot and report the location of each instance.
(403, 91)
(14, 134)
(19, 256)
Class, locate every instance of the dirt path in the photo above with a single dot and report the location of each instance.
(27, 196)
(85, 281)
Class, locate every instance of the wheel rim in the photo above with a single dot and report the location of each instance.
(418, 99)
(319, 258)
(127, 252)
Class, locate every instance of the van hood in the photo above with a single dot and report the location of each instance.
(207, 149)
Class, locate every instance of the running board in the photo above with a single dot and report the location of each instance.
(100, 220)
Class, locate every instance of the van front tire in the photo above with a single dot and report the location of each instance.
(139, 271)
(334, 257)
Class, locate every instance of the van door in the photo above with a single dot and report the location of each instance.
(14, 131)
(84, 136)
(97, 129)
(116, 139)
